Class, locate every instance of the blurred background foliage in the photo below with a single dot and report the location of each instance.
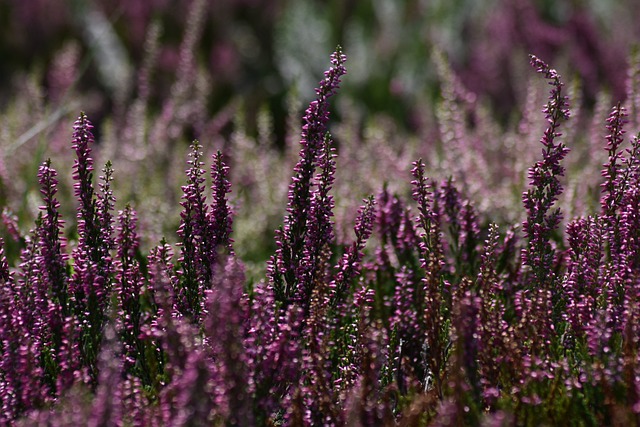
(256, 51)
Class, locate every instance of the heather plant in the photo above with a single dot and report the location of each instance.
(428, 306)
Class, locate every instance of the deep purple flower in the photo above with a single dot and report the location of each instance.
(54, 283)
(463, 228)
(545, 186)
(90, 284)
(583, 285)
(220, 215)
(320, 233)
(22, 325)
(364, 399)
(429, 216)
(494, 334)
(203, 232)
(195, 235)
(224, 327)
(91, 257)
(387, 224)
(616, 177)
(128, 287)
(408, 325)
(52, 243)
(435, 288)
(105, 204)
(9, 341)
(349, 266)
(83, 166)
(285, 265)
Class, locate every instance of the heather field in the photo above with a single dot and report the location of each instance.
(307, 213)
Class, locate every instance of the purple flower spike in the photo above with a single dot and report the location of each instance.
(220, 217)
(545, 184)
(432, 262)
(106, 204)
(364, 403)
(52, 244)
(463, 227)
(90, 285)
(10, 340)
(429, 217)
(195, 234)
(396, 233)
(92, 261)
(128, 285)
(320, 229)
(83, 165)
(583, 287)
(350, 266)
(284, 268)
(54, 284)
(616, 179)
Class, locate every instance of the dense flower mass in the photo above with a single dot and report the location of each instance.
(417, 310)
